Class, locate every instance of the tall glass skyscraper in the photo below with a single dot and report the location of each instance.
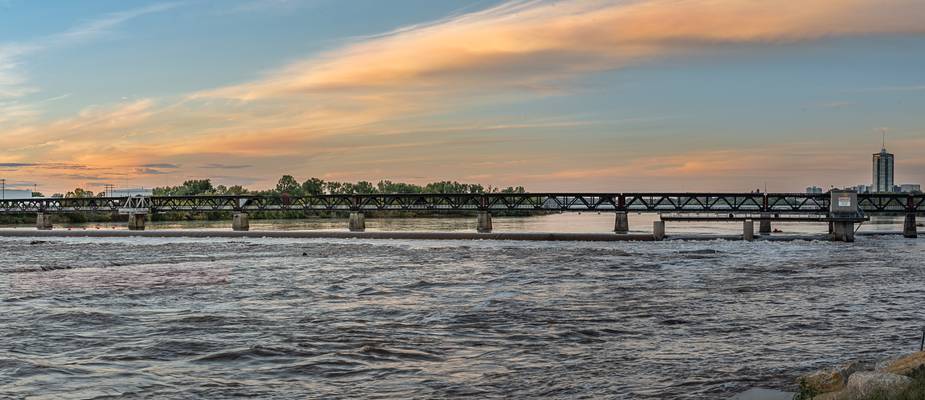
(883, 172)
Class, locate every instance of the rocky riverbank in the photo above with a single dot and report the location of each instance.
(897, 378)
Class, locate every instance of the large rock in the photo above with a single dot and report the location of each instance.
(825, 380)
(867, 384)
(832, 379)
(903, 365)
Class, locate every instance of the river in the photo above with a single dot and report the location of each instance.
(84, 318)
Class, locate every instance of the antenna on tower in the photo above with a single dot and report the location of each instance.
(883, 139)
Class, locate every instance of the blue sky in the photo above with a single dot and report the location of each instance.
(583, 95)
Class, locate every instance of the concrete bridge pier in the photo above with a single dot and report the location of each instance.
(241, 222)
(843, 207)
(621, 223)
(764, 226)
(43, 222)
(748, 230)
(658, 230)
(484, 225)
(909, 229)
(842, 231)
(357, 221)
(136, 222)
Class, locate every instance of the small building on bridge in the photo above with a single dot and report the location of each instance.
(11, 194)
(131, 192)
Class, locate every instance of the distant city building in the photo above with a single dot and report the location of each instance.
(861, 188)
(814, 190)
(882, 172)
(130, 192)
(15, 194)
(910, 188)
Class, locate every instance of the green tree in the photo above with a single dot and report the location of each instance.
(313, 186)
(453, 187)
(236, 190)
(287, 184)
(364, 187)
(79, 193)
(331, 187)
(194, 187)
(398, 187)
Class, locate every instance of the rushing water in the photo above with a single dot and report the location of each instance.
(280, 318)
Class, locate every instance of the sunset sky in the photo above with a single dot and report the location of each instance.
(670, 95)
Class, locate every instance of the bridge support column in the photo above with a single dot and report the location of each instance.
(136, 222)
(484, 225)
(43, 222)
(764, 226)
(843, 231)
(843, 207)
(240, 222)
(621, 222)
(658, 230)
(357, 222)
(748, 230)
(909, 229)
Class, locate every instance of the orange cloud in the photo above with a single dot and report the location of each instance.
(523, 44)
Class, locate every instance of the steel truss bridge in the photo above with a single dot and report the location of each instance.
(778, 204)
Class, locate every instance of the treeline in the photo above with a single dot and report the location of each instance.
(287, 185)
(314, 186)
(310, 187)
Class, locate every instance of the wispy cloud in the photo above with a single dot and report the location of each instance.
(149, 171)
(98, 27)
(160, 165)
(16, 165)
(26, 165)
(14, 81)
(225, 166)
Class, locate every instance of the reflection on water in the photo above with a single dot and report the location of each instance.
(564, 222)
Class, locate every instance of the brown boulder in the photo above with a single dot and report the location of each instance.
(825, 380)
(867, 384)
(833, 379)
(904, 365)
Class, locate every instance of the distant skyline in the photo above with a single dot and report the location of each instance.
(596, 95)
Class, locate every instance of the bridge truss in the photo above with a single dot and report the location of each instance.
(775, 203)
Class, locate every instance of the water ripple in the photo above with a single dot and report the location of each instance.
(201, 318)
